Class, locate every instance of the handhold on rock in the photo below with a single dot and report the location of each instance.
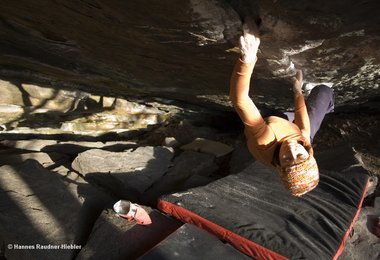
(130, 211)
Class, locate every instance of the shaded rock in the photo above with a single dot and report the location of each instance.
(345, 158)
(241, 158)
(159, 54)
(30, 145)
(185, 132)
(197, 180)
(208, 146)
(74, 148)
(39, 208)
(67, 174)
(136, 169)
(45, 159)
(190, 163)
(187, 165)
(113, 237)
(362, 243)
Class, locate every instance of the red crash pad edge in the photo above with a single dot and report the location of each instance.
(341, 247)
(242, 244)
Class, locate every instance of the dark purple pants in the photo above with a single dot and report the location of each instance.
(319, 103)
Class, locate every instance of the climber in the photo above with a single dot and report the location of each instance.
(284, 144)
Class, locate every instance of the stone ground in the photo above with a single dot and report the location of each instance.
(58, 189)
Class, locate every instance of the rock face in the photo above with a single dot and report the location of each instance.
(41, 210)
(184, 50)
(137, 170)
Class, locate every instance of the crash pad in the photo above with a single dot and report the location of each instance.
(253, 212)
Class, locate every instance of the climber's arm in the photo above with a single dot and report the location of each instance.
(301, 117)
(241, 76)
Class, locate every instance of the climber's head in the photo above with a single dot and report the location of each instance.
(291, 153)
(297, 168)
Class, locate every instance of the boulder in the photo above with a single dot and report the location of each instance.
(10, 94)
(40, 210)
(135, 169)
(113, 237)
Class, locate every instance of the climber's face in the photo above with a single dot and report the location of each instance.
(291, 153)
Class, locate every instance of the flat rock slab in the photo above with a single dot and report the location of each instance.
(67, 147)
(45, 159)
(191, 243)
(135, 169)
(208, 146)
(114, 237)
(38, 208)
(74, 148)
(30, 145)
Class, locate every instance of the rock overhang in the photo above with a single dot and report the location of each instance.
(186, 50)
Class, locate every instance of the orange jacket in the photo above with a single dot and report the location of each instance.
(263, 135)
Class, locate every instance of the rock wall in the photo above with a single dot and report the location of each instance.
(185, 49)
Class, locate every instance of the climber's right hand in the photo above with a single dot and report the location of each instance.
(249, 41)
